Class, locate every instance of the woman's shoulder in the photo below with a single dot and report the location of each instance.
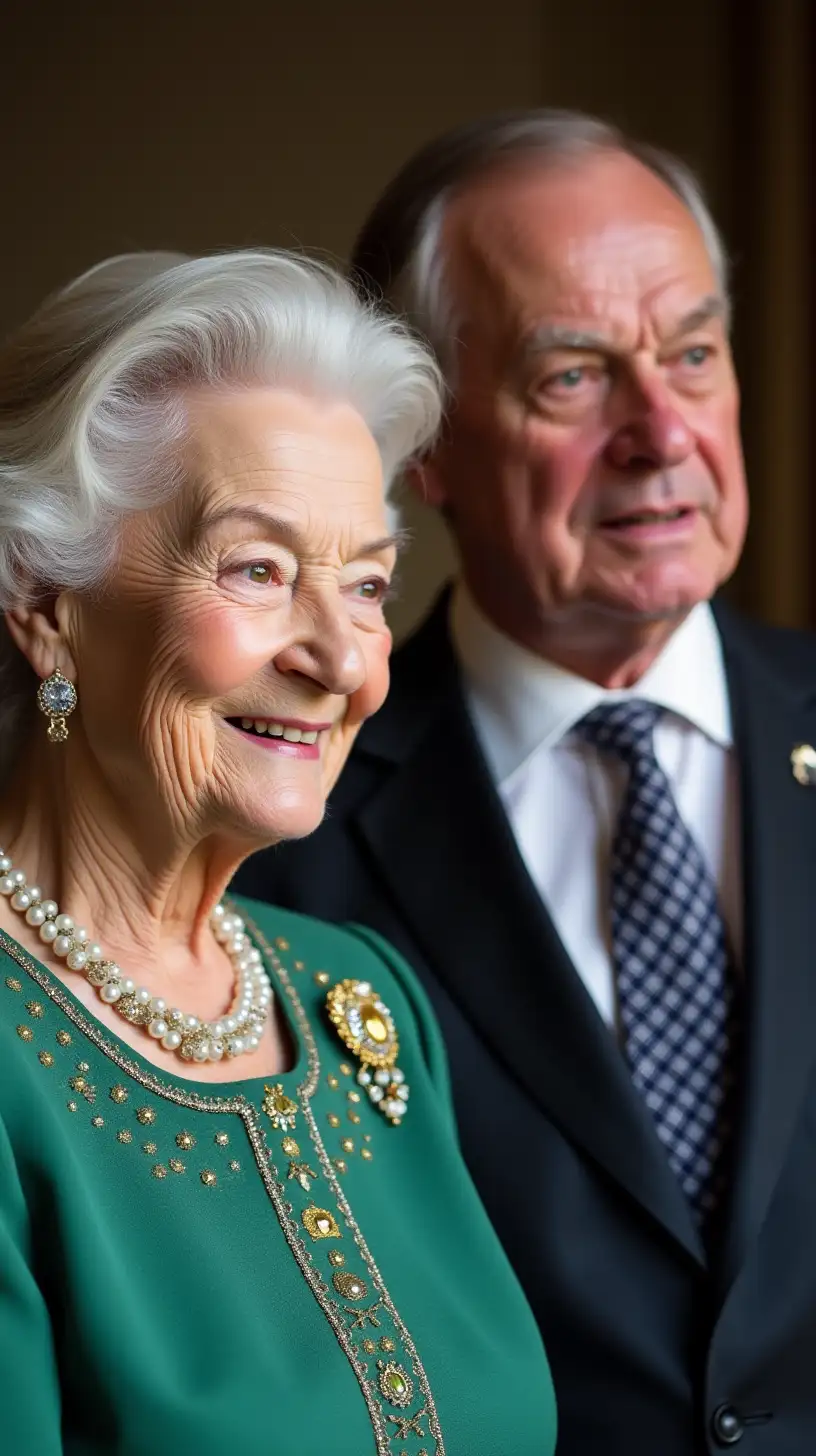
(346, 949)
(340, 952)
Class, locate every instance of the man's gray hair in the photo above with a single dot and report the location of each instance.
(92, 401)
(398, 254)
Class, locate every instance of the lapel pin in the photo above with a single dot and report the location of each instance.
(803, 763)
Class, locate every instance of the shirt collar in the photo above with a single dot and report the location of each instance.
(522, 702)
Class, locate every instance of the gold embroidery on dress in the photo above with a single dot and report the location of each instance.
(288, 1219)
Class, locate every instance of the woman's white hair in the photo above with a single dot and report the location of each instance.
(92, 401)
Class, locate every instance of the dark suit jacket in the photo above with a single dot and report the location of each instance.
(655, 1349)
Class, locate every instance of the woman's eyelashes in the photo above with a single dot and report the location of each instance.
(262, 573)
(375, 589)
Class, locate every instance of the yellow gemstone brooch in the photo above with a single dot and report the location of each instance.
(366, 1027)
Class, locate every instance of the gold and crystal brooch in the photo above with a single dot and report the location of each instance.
(366, 1027)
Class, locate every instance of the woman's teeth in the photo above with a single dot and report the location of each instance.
(278, 730)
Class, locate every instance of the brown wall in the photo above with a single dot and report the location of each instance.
(197, 125)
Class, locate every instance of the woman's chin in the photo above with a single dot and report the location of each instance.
(292, 821)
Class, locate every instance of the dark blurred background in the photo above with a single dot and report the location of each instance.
(201, 125)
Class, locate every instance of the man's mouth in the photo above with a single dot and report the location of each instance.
(649, 517)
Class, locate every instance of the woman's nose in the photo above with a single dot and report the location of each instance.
(327, 651)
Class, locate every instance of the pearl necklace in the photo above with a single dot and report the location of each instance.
(188, 1036)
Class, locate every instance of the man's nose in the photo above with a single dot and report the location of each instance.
(325, 649)
(654, 433)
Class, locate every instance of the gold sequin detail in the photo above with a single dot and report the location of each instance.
(347, 1145)
(13, 984)
(97, 1122)
(150, 1148)
(300, 965)
(158, 1170)
(125, 1136)
(341, 1165)
(333, 1120)
(145, 1115)
(221, 1139)
(322, 978)
(235, 1166)
(281, 943)
(46, 1059)
(291, 1148)
(208, 1178)
(119, 1094)
(172, 1093)
(185, 1141)
(387, 1345)
(176, 1165)
(366, 1137)
(320, 1223)
(83, 1067)
(35, 1009)
(367, 1154)
(25, 1033)
(72, 1106)
(353, 1096)
(333, 1081)
(354, 1117)
(349, 1286)
(64, 1038)
(369, 1347)
(336, 1258)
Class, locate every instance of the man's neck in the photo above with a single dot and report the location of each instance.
(613, 651)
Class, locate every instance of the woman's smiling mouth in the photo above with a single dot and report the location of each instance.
(292, 737)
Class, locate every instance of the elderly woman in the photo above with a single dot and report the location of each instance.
(233, 1215)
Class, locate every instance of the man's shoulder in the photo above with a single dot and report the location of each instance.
(788, 653)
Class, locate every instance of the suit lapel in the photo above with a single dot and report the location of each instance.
(437, 834)
(779, 871)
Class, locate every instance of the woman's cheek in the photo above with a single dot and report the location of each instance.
(370, 697)
(224, 648)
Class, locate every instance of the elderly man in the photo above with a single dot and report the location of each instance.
(587, 813)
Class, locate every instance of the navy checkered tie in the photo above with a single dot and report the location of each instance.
(675, 984)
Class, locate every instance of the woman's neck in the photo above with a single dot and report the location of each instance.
(142, 886)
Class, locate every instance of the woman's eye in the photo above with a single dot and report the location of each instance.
(258, 572)
(375, 589)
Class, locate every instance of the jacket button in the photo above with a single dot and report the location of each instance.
(727, 1426)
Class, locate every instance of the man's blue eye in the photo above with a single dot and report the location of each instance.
(697, 355)
(571, 377)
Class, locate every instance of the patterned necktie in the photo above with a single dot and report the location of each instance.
(676, 993)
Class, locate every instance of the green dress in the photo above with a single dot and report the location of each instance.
(274, 1268)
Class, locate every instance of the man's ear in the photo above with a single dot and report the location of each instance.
(426, 480)
(37, 632)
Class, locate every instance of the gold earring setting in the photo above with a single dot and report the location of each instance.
(57, 699)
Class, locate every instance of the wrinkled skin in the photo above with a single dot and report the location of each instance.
(258, 592)
(593, 380)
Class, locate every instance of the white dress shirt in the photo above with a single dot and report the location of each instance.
(563, 798)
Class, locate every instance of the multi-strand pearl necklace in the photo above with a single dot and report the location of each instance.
(188, 1036)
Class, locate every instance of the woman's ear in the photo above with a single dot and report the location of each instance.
(36, 631)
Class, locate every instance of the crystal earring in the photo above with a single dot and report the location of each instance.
(57, 698)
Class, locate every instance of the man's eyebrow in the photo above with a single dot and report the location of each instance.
(561, 336)
(271, 525)
(713, 307)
